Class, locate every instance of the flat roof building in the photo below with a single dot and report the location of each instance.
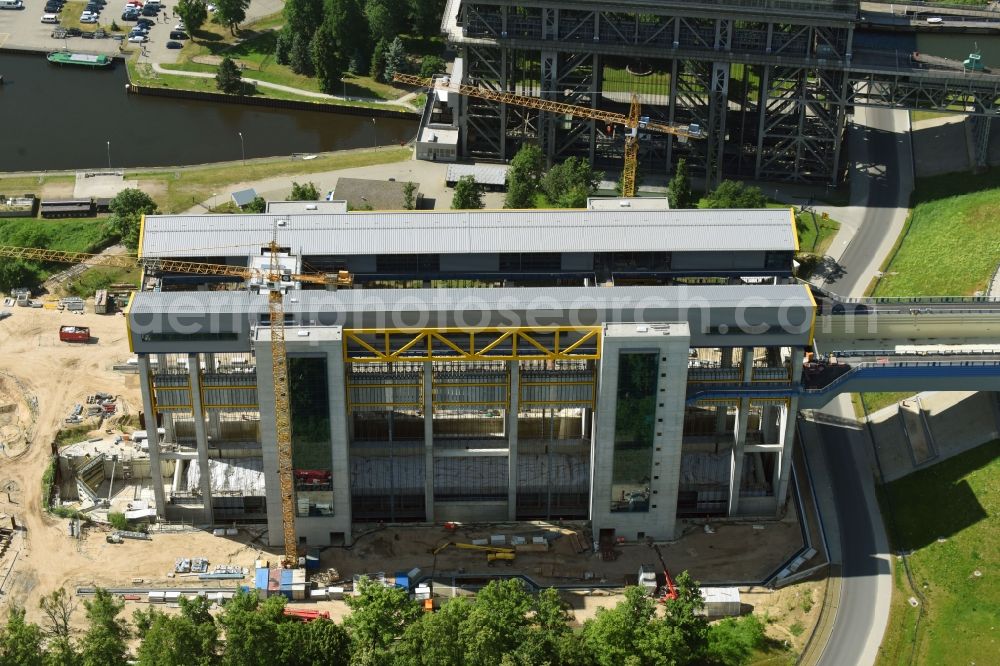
(484, 366)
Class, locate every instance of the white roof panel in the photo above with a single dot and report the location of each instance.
(471, 232)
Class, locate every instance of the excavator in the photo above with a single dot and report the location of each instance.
(493, 553)
(669, 590)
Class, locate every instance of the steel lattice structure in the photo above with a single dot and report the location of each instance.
(771, 82)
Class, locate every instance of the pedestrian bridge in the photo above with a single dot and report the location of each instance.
(869, 376)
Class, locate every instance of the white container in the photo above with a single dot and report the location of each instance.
(517, 541)
(219, 532)
(318, 595)
(498, 540)
(721, 601)
(335, 593)
(232, 531)
(156, 596)
(480, 542)
(171, 597)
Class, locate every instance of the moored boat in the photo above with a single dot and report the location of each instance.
(81, 59)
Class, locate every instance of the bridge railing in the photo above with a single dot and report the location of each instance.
(938, 7)
(854, 353)
(861, 367)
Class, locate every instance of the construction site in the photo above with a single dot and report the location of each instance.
(431, 462)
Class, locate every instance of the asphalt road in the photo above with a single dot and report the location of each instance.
(881, 182)
(866, 589)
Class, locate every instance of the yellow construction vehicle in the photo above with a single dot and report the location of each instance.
(275, 282)
(494, 553)
(632, 122)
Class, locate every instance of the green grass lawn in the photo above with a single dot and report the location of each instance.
(72, 235)
(815, 234)
(957, 500)
(877, 401)
(188, 186)
(917, 116)
(256, 53)
(950, 245)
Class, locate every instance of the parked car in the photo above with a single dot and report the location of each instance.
(146, 22)
(130, 16)
(138, 39)
(52, 9)
(73, 32)
(174, 45)
(87, 17)
(150, 11)
(50, 18)
(180, 26)
(178, 34)
(140, 30)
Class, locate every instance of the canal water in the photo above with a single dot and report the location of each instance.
(958, 47)
(63, 118)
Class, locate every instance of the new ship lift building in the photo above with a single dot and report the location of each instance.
(485, 366)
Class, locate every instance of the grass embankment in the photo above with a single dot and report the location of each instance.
(950, 245)
(946, 517)
(255, 52)
(876, 401)
(177, 189)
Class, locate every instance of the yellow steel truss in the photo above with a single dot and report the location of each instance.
(552, 343)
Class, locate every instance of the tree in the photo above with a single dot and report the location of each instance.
(379, 616)
(679, 193)
(386, 18)
(61, 652)
(20, 641)
(617, 635)
(17, 273)
(104, 642)
(328, 62)
(732, 641)
(317, 642)
(258, 205)
(300, 57)
(426, 15)
(251, 629)
(682, 614)
(377, 69)
(303, 17)
(468, 194)
(567, 185)
(732, 194)
(58, 607)
(434, 640)
(497, 624)
(395, 59)
(193, 13)
(432, 65)
(127, 209)
(524, 177)
(550, 637)
(188, 639)
(229, 79)
(303, 192)
(283, 45)
(346, 22)
(231, 13)
(409, 195)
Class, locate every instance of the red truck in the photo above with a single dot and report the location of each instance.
(74, 334)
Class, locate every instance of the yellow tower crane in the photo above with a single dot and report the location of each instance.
(276, 283)
(632, 122)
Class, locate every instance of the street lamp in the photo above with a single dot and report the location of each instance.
(243, 151)
(109, 154)
(375, 132)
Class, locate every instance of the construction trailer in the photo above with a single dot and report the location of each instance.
(485, 366)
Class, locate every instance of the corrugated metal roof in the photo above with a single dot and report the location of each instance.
(447, 300)
(471, 232)
(486, 174)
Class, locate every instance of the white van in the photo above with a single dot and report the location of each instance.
(50, 18)
(11, 4)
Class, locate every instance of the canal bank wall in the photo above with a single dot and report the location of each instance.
(270, 102)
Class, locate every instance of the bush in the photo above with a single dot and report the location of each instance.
(432, 65)
(118, 521)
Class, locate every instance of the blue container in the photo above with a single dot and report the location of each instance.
(402, 580)
(260, 579)
(312, 559)
(286, 577)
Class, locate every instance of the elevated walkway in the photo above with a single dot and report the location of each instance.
(916, 376)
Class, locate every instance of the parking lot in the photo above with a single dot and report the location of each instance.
(23, 29)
